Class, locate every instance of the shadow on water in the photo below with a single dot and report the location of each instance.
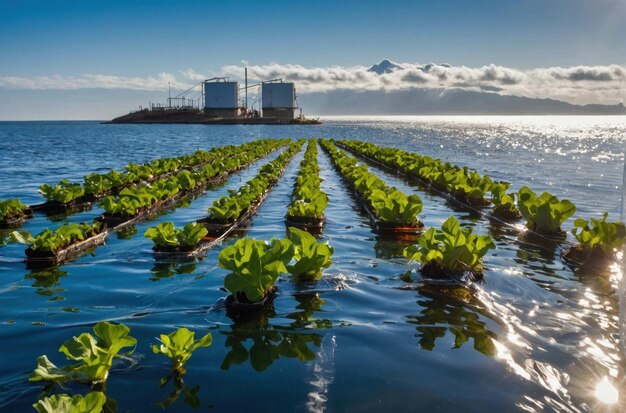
(452, 309)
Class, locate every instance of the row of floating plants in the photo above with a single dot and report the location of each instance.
(465, 185)
(254, 266)
(306, 211)
(132, 205)
(225, 215)
(391, 211)
(598, 239)
(66, 197)
(452, 251)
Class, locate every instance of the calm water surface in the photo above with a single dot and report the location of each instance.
(372, 335)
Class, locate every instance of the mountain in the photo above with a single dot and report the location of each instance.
(442, 102)
(385, 66)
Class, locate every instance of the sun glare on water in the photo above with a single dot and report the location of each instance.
(606, 392)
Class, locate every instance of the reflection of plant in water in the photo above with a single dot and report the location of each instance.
(449, 311)
(308, 304)
(46, 280)
(127, 232)
(269, 343)
(191, 393)
(169, 269)
(540, 248)
(391, 248)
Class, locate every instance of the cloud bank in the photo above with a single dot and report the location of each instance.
(578, 84)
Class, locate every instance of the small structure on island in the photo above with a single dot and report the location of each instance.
(221, 98)
(278, 100)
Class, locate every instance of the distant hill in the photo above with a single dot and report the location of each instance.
(442, 102)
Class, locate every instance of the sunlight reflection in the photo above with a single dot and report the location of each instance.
(606, 392)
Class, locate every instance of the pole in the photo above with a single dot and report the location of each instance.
(246, 76)
(169, 95)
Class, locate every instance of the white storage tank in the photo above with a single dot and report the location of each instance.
(278, 100)
(221, 98)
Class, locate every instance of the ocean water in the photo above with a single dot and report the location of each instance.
(373, 334)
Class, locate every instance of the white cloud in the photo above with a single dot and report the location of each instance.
(92, 81)
(579, 84)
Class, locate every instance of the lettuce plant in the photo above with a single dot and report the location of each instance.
(179, 345)
(255, 266)
(310, 256)
(97, 184)
(64, 192)
(503, 203)
(94, 355)
(599, 234)
(543, 214)
(391, 205)
(12, 208)
(452, 250)
(165, 235)
(62, 403)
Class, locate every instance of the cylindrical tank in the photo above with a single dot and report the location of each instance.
(220, 95)
(278, 95)
(221, 98)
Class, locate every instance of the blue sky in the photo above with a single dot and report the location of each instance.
(146, 38)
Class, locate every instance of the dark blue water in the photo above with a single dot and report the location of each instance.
(372, 335)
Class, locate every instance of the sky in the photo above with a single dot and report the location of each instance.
(92, 60)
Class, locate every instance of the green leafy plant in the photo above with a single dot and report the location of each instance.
(179, 345)
(255, 266)
(452, 250)
(543, 214)
(64, 192)
(94, 355)
(310, 256)
(503, 203)
(62, 403)
(166, 235)
(96, 184)
(600, 234)
(391, 205)
(11, 208)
